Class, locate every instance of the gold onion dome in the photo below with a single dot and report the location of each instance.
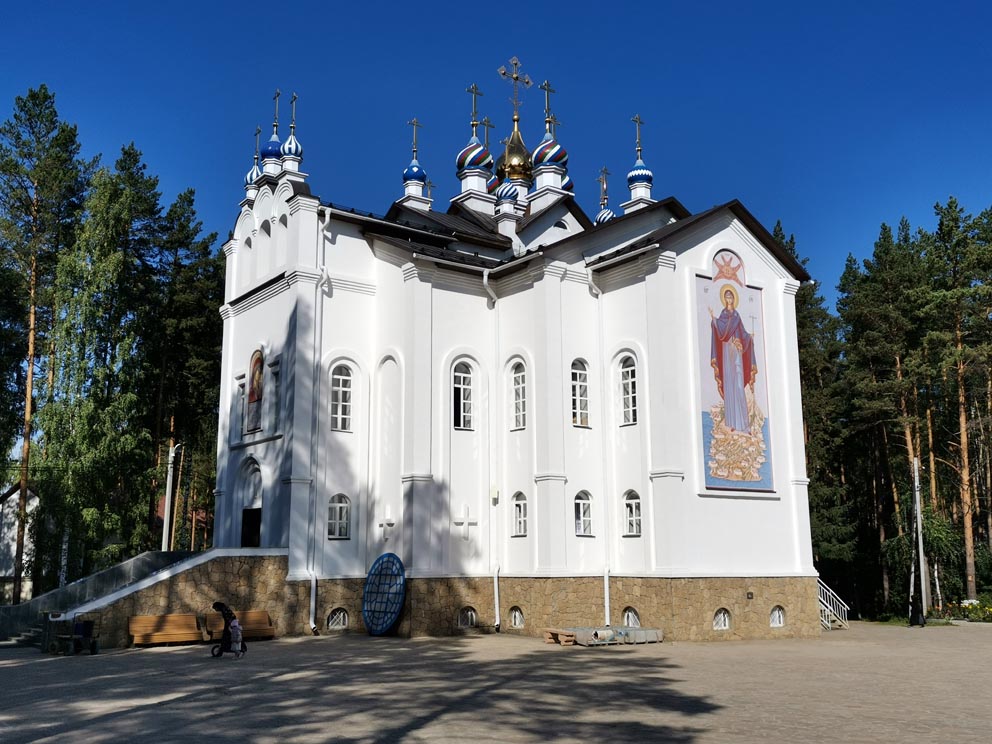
(515, 163)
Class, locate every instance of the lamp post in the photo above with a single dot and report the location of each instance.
(167, 516)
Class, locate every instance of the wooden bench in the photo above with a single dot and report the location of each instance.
(557, 635)
(165, 629)
(254, 624)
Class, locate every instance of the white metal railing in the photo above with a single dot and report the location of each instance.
(832, 607)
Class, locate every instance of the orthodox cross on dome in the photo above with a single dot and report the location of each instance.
(548, 116)
(465, 521)
(637, 124)
(487, 125)
(292, 121)
(603, 199)
(517, 80)
(258, 131)
(553, 120)
(416, 125)
(275, 120)
(430, 188)
(474, 90)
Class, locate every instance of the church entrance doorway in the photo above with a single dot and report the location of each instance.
(251, 528)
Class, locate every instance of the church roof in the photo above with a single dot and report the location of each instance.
(450, 224)
(567, 201)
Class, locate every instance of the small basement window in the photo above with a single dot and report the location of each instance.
(338, 619)
(467, 617)
(721, 619)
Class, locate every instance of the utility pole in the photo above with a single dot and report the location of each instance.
(167, 516)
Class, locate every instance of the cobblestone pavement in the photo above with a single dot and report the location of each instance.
(868, 684)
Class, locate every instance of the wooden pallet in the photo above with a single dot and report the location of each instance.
(558, 635)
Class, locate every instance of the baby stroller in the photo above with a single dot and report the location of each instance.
(231, 640)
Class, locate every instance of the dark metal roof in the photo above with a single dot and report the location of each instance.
(442, 254)
(457, 227)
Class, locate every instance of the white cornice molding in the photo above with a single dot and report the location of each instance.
(417, 478)
(342, 283)
(667, 473)
(790, 287)
(542, 477)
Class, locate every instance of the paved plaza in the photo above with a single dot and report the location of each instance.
(870, 683)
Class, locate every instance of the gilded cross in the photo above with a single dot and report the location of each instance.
(416, 125)
(637, 124)
(517, 80)
(487, 125)
(603, 200)
(465, 521)
(548, 90)
(474, 90)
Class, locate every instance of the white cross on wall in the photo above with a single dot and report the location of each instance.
(385, 524)
(465, 521)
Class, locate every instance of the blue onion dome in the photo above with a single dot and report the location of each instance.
(271, 148)
(506, 192)
(474, 155)
(605, 215)
(492, 184)
(550, 152)
(640, 174)
(291, 148)
(567, 183)
(414, 172)
(253, 174)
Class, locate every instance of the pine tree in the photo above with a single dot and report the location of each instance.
(42, 186)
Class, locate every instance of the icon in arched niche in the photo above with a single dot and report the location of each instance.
(255, 388)
(733, 385)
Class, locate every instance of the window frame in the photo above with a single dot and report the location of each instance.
(583, 514)
(342, 397)
(580, 394)
(519, 501)
(518, 388)
(628, 390)
(633, 525)
(338, 514)
(461, 396)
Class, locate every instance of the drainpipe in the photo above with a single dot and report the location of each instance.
(485, 285)
(496, 594)
(606, 593)
(592, 283)
(606, 504)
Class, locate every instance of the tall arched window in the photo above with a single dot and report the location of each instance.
(632, 514)
(339, 518)
(519, 515)
(628, 390)
(583, 513)
(580, 393)
(341, 398)
(256, 386)
(462, 395)
(519, 375)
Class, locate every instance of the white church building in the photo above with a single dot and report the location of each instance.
(554, 421)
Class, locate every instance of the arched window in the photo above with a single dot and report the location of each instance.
(583, 513)
(341, 398)
(721, 619)
(630, 618)
(628, 390)
(580, 393)
(519, 515)
(467, 617)
(519, 375)
(462, 395)
(516, 617)
(632, 514)
(256, 386)
(776, 618)
(338, 619)
(339, 518)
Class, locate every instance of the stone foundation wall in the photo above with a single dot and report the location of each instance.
(682, 608)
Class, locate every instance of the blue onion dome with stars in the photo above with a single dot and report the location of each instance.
(492, 184)
(640, 173)
(605, 215)
(506, 192)
(567, 183)
(291, 148)
(474, 155)
(550, 152)
(272, 148)
(414, 172)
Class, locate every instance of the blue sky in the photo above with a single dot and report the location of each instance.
(831, 117)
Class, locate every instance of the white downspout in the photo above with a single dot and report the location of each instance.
(485, 285)
(606, 503)
(606, 592)
(496, 594)
(318, 327)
